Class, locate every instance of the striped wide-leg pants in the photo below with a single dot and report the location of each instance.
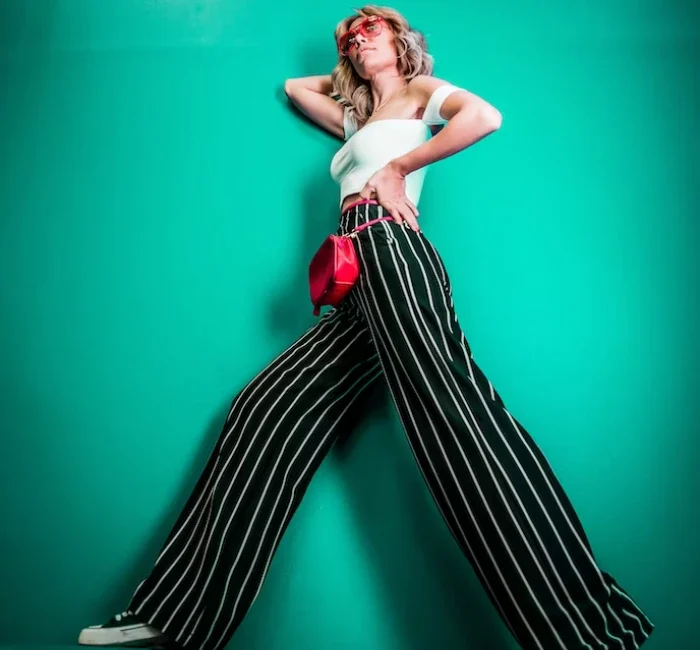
(495, 490)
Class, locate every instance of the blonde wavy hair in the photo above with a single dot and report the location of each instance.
(353, 91)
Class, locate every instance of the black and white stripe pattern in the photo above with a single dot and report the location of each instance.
(278, 430)
(496, 491)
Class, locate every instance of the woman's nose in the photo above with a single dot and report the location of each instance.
(360, 38)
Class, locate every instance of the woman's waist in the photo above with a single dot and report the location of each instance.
(351, 186)
(357, 211)
(350, 201)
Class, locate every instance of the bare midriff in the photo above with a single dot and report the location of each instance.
(349, 200)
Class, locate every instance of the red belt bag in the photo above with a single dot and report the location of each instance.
(334, 268)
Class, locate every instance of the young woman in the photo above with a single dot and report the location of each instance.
(495, 490)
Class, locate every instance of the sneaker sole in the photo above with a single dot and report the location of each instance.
(99, 636)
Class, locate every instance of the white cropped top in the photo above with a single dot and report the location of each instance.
(374, 145)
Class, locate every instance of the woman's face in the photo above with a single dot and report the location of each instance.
(371, 48)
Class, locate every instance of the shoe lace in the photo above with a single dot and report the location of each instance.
(119, 617)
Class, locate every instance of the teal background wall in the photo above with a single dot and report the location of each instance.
(159, 204)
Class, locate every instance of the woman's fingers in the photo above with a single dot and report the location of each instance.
(403, 212)
(411, 219)
(394, 212)
(413, 207)
(408, 216)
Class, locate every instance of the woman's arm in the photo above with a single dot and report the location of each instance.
(312, 96)
(469, 119)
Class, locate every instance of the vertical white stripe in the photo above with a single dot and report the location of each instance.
(201, 536)
(207, 507)
(193, 510)
(448, 318)
(636, 607)
(437, 319)
(196, 625)
(636, 618)
(624, 629)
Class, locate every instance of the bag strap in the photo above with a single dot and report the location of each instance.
(369, 223)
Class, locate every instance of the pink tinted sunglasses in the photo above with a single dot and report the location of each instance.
(370, 27)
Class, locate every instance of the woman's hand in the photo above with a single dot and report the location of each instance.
(388, 186)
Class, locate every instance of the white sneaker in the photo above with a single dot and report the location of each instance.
(122, 630)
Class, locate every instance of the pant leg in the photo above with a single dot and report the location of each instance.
(493, 486)
(277, 432)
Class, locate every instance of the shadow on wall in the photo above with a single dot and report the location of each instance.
(25, 40)
(26, 24)
(316, 211)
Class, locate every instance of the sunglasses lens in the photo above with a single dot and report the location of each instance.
(369, 28)
(344, 43)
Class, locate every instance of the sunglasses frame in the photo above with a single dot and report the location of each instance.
(342, 41)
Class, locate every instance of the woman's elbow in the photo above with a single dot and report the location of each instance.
(288, 85)
(492, 117)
